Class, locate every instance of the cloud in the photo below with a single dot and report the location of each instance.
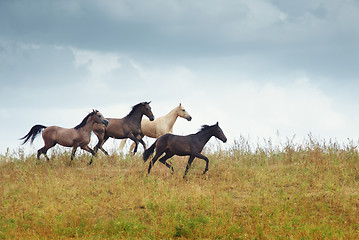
(255, 66)
(163, 27)
(243, 106)
(162, 76)
(249, 108)
(101, 67)
(313, 36)
(97, 63)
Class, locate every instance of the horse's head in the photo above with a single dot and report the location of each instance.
(146, 110)
(98, 118)
(181, 112)
(218, 133)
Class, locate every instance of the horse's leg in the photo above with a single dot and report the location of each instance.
(133, 138)
(102, 138)
(190, 160)
(72, 155)
(132, 146)
(47, 148)
(44, 149)
(99, 145)
(103, 142)
(140, 140)
(87, 148)
(99, 137)
(154, 159)
(41, 151)
(143, 143)
(164, 159)
(199, 155)
(47, 158)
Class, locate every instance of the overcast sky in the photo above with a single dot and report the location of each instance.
(261, 68)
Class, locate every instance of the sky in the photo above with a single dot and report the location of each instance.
(263, 69)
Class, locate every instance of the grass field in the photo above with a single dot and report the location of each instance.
(307, 191)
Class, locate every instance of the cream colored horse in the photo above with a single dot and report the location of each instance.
(161, 125)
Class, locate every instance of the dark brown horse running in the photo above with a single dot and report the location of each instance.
(191, 145)
(78, 136)
(127, 127)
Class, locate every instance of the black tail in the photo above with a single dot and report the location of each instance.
(34, 131)
(149, 151)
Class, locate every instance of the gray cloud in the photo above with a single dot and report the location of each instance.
(315, 36)
(164, 27)
(82, 54)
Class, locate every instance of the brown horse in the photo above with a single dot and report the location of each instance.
(127, 127)
(78, 136)
(191, 145)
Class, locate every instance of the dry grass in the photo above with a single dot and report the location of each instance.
(307, 191)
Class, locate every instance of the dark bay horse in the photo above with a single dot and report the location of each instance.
(78, 136)
(127, 127)
(191, 145)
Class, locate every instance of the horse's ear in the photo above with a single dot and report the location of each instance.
(149, 102)
(217, 123)
(180, 104)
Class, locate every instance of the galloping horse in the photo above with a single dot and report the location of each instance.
(191, 145)
(161, 125)
(127, 127)
(78, 136)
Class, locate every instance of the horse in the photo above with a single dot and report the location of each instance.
(161, 125)
(191, 145)
(127, 127)
(78, 136)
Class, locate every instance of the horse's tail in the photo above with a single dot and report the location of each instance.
(149, 151)
(34, 131)
(122, 144)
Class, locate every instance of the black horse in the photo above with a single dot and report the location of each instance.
(191, 145)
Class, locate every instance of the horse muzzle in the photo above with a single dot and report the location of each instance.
(189, 118)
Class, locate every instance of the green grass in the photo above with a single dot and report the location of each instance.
(308, 191)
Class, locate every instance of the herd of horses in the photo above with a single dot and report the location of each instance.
(134, 127)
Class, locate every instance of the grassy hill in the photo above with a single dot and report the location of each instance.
(308, 191)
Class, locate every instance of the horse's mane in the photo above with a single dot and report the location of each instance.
(83, 123)
(134, 108)
(204, 128)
